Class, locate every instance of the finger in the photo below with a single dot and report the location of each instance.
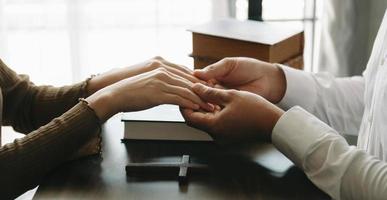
(174, 79)
(180, 101)
(219, 86)
(185, 75)
(196, 119)
(212, 82)
(178, 67)
(211, 95)
(188, 83)
(215, 71)
(189, 95)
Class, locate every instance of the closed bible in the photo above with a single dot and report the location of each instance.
(163, 122)
(268, 42)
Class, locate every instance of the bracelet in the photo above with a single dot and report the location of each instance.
(83, 100)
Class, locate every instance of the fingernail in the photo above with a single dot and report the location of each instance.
(198, 71)
(210, 107)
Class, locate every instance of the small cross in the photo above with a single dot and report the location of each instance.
(184, 168)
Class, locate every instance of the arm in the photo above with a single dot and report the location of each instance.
(340, 170)
(27, 107)
(338, 102)
(25, 162)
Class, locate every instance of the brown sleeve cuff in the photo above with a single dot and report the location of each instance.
(83, 87)
(30, 158)
(94, 145)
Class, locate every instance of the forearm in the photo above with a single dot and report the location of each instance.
(330, 163)
(100, 81)
(338, 102)
(26, 161)
(102, 103)
(50, 102)
(27, 106)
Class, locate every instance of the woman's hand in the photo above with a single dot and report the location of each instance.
(115, 75)
(146, 90)
(262, 78)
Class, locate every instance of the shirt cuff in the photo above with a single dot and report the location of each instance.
(296, 133)
(300, 89)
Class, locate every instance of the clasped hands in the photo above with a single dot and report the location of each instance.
(244, 92)
(232, 99)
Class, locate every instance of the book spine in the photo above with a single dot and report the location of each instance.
(200, 62)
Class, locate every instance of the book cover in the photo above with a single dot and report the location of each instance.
(268, 42)
(163, 122)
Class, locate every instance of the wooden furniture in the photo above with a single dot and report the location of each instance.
(253, 171)
(268, 42)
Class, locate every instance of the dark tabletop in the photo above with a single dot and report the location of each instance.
(243, 171)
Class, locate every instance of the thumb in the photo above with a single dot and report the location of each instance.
(214, 71)
(211, 95)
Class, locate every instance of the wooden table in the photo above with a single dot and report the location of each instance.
(253, 171)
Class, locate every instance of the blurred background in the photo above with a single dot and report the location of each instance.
(64, 41)
(70, 39)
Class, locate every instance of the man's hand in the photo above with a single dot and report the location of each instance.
(240, 115)
(262, 78)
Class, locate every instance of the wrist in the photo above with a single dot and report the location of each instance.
(100, 81)
(102, 104)
(266, 117)
(278, 84)
(276, 115)
(93, 85)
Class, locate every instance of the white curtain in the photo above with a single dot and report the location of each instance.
(62, 41)
(348, 31)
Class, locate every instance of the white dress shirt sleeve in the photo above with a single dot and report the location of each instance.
(338, 102)
(342, 171)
